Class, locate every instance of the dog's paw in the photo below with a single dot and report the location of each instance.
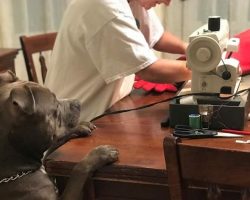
(101, 156)
(106, 152)
(88, 125)
(84, 129)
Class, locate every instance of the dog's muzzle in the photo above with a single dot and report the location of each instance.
(70, 112)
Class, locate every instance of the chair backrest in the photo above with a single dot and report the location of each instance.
(36, 44)
(215, 170)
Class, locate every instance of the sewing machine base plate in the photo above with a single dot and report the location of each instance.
(224, 114)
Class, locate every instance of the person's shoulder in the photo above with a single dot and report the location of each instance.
(110, 3)
(98, 11)
(111, 6)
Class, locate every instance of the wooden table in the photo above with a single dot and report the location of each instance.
(140, 172)
(7, 59)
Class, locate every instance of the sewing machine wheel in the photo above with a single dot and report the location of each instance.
(203, 54)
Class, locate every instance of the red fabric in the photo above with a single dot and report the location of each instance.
(149, 86)
(157, 87)
(243, 54)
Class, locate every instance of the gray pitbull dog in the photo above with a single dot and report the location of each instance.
(31, 120)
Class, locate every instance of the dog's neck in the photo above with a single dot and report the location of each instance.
(13, 162)
(22, 145)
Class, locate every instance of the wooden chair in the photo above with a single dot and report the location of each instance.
(36, 44)
(200, 172)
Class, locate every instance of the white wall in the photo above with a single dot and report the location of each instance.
(183, 17)
(27, 17)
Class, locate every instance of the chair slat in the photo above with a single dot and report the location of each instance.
(36, 44)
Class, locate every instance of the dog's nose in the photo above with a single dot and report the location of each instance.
(75, 105)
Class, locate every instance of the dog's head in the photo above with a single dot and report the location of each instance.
(31, 116)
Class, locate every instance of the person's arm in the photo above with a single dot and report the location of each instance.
(171, 44)
(165, 71)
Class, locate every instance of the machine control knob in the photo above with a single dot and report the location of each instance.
(203, 54)
(226, 75)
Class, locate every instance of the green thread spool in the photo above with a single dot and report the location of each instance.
(195, 121)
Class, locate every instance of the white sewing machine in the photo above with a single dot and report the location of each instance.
(212, 72)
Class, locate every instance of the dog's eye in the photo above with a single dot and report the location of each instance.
(15, 103)
(54, 137)
(55, 114)
(56, 111)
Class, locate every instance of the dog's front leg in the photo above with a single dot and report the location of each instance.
(83, 129)
(96, 159)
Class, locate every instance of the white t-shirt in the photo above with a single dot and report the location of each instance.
(97, 51)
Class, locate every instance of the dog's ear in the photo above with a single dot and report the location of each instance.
(23, 99)
(7, 77)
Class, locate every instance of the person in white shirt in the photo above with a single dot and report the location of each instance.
(102, 44)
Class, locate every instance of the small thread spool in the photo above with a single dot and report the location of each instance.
(214, 23)
(195, 121)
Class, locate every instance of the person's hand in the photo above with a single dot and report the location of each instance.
(157, 87)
